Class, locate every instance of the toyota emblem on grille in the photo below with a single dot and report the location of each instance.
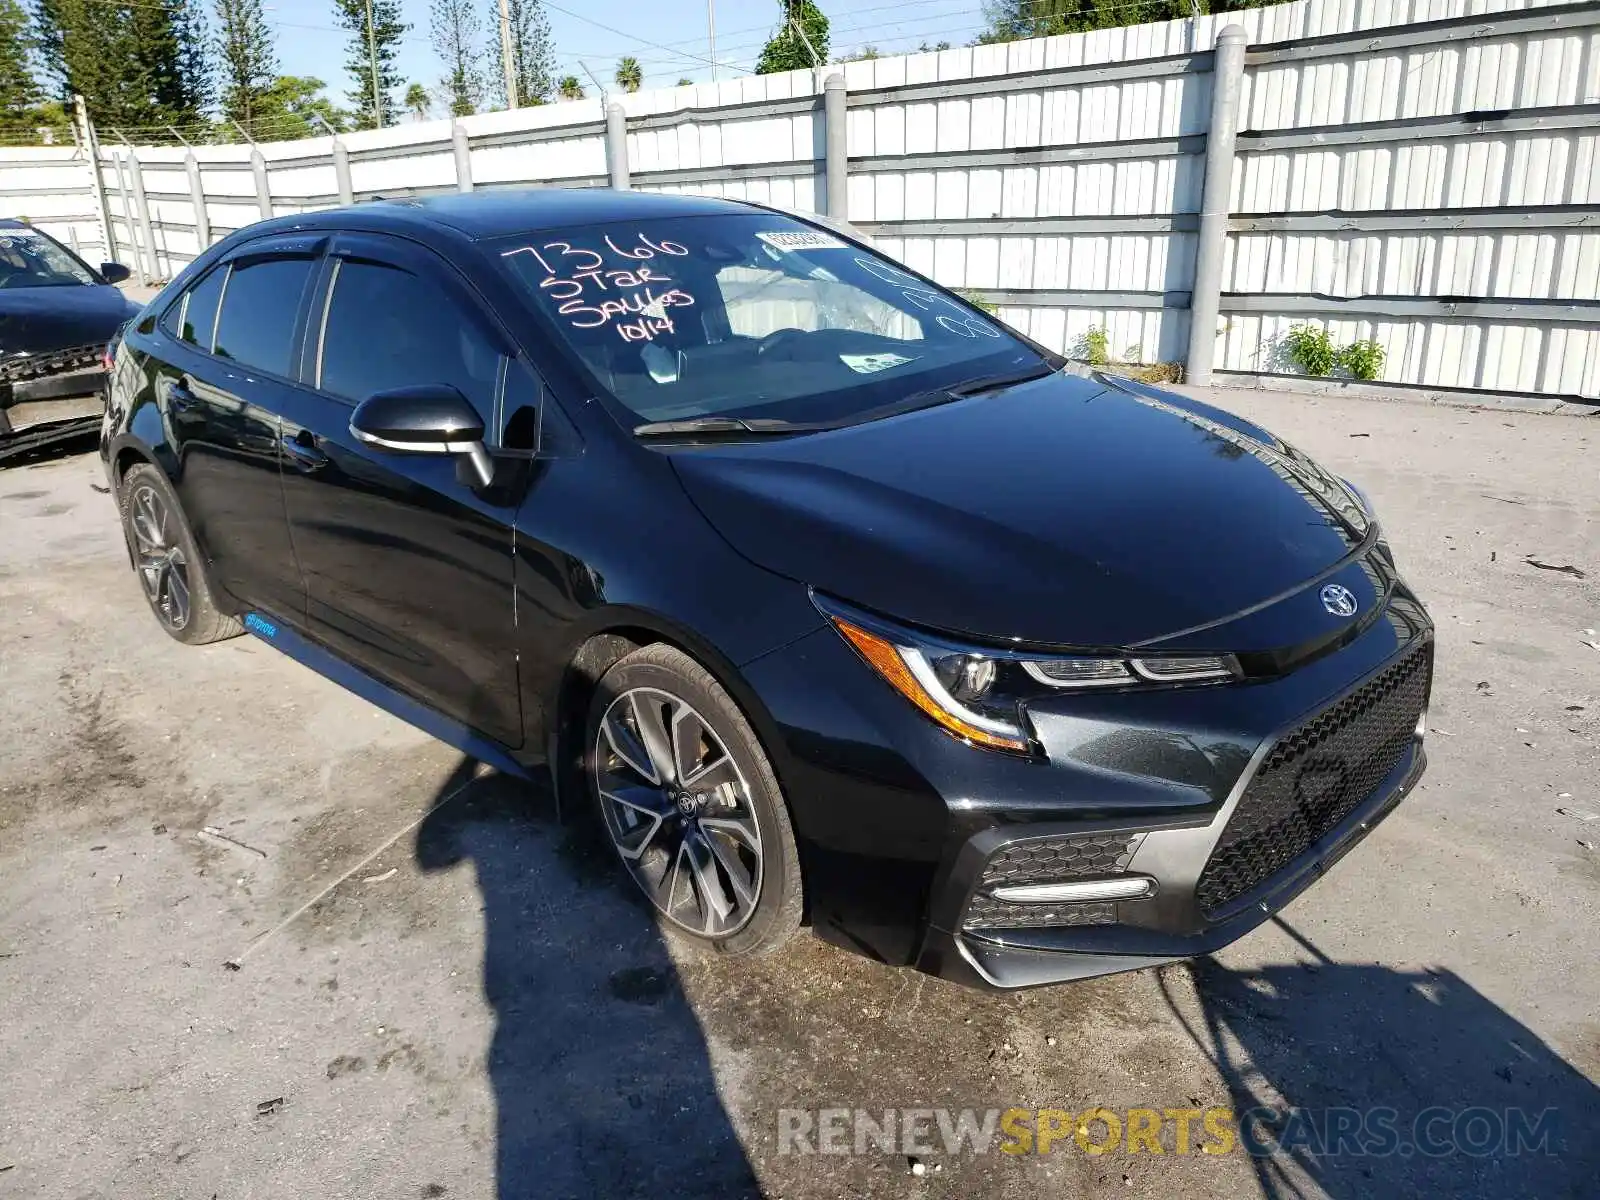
(1338, 599)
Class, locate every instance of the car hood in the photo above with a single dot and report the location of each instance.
(44, 319)
(1066, 511)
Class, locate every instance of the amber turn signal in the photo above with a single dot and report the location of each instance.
(890, 661)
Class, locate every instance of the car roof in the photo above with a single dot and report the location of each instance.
(13, 223)
(503, 211)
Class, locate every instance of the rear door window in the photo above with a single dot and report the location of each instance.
(388, 328)
(259, 305)
(194, 318)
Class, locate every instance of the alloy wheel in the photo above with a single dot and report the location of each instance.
(678, 810)
(162, 565)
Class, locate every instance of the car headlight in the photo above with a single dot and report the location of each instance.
(979, 694)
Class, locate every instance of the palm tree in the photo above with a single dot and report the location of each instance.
(570, 88)
(417, 101)
(685, 82)
(629, 76)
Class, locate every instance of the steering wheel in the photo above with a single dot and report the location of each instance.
(775, 339)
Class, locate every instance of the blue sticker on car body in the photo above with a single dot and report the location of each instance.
(260, 625)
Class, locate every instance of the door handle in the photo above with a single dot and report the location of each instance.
(180, 397)
(302, 450)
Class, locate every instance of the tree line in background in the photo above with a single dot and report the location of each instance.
(160, 67)
(149, 66)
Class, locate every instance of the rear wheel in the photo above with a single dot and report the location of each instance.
(167, 562)
(690, 803)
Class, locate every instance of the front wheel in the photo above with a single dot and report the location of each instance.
(167, 562)
(691, 804)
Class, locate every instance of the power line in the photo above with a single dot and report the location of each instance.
(889, 30)
(681, 54)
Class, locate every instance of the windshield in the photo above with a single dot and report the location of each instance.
(29, 259)
(751, 316)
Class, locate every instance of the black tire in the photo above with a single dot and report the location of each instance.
(750, 794)
(196, 620)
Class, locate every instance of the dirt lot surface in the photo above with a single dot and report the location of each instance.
(442, 992)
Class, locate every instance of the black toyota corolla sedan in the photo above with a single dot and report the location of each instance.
(836, 600)
(56, 315)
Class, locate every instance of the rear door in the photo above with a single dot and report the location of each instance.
(223, 371)
(407, 565)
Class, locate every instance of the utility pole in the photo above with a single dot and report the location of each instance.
(508, 54)
(711, 34)
(372, 56)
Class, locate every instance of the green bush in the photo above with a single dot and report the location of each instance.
(1363, 359)
(1311, 349)
(977, 300)
(1096, 347)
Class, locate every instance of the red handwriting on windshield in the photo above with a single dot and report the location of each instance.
(633, 299)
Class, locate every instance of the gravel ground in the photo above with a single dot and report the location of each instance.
(442, 992)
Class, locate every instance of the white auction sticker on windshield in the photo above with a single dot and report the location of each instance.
(866, 364)
(800, 240)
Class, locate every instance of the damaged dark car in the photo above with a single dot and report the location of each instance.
(56, 315)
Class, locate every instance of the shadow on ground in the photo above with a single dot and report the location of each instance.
(604, 1088)
(601, 1078)
(1346, 1041)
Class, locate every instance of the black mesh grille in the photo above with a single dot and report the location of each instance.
(1048, 859)
(1314, 777)
(53, 362)
(986, 912)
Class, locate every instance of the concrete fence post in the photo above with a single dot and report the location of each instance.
(617, 146)
(341, 172)
(90, 143)
(141, 205)
(836, 146)
(127, 219)
(197, 201)
(463, 150)
(1211, 243)
(258, 166)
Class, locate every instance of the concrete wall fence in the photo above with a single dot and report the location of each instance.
(1425, 173)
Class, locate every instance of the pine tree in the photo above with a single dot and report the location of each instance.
(137, 65)
(248, 61)
(788, 50)
(455, 41)
(533, 61)
(384, 41)
(196, 76)
(19, 93)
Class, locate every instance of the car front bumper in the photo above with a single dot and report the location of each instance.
(1229, 800)
(46, 397)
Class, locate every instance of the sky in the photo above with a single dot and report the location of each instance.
(668, 37)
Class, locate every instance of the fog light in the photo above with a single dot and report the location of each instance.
(1128, 887)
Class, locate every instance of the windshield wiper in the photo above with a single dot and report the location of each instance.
(718, 426)
(992, 383)
(959, 390)
(737, 427)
